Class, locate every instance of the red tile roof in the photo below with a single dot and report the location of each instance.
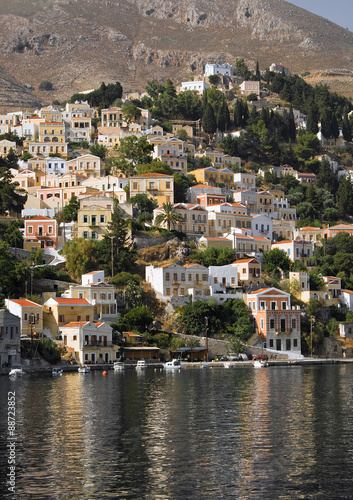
(24, 302)
(71, 301)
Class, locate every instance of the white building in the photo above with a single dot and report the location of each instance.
(198, 86)
(56, 165)
(218, 69)
(90, 342)
(261, 225)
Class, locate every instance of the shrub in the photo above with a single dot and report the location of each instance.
(45, 85)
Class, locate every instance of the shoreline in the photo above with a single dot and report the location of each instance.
(186, 366)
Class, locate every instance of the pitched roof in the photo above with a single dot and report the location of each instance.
(24, 302)
(67, 302)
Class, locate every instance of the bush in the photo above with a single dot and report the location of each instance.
(45, 85)
(49, 351)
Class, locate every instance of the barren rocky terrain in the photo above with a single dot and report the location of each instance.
(77, 44)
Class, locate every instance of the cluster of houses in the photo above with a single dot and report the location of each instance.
(224, 209)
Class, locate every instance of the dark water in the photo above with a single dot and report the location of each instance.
(277, 433)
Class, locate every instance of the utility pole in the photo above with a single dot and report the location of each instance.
(206, 334)
(311, 337)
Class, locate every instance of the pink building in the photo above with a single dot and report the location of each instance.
(40, 233)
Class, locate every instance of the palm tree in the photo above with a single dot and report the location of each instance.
(168, 216)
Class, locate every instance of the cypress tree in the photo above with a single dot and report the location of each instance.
(208, 120)
(346, 129)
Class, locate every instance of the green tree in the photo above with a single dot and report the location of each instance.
(133, 294)
(69, 212)
(346, 129)
(169, 216)
(11, 198)
(143, 203)
(13, 274)
(137, 319)
(275, 259)
(117, 245)
(131, 113)
(209, 124)
(155, 166)
(45, 85)
(136, 150)
(214, 79)
(99, 150)
(81, 256)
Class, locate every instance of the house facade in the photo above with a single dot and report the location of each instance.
(89, 342)
(278, 323)
(10, 343)
(30, 314)
(40, 233)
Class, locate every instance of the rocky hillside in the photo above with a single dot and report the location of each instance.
(77, 44)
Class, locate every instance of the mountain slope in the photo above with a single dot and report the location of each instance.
(77, 44)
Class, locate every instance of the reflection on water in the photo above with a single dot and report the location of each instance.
(284, 432)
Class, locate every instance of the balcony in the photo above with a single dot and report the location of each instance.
(97, 343)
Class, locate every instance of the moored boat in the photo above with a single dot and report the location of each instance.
(84, 369)
(118, 366)
(56, 372)
(141, 364)
(174, 364)
(17, 372)
(260, 363)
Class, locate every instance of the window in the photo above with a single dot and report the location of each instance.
(167, 276)
(175, 276)
(294, 324)
(284, 305)
(102, 218)
(262, 323)
(182, 276)
(30, 230)
(61, 318)
(168, 291)
(85, 234)
(167, 185)
(271, 343)
(295, 342)
(233, 280)
(74, 337)
(102, 296)
(25, 316)
(134, 185)
(85, 218)
(272, 324)
(78, 318)
(204, 277)
(283, 325)
(253, 306)
(273, 306)
(215, 280)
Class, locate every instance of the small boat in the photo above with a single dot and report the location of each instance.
(118, 366)
(57, 372)
(174, 364)
(260, 363)
(17, 372)
(205, 365)
(227, 364)
(141, 365)
(84, 369)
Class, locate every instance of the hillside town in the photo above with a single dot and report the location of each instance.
(143, 226)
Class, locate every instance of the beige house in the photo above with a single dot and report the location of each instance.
(249, 272)
(6, 146)
(194, 218)
(58, 311)
(89, 342)
(30, 314)
(87, 165)
(157, 186)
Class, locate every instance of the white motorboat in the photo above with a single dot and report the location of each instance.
(141, 364)
(57, 372)
(174, 364)
(118, 366)
(260, 363)
(228, 364)
(17, 372)
(84, 369)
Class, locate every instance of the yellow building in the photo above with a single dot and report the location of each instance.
(157, 186)
(58, 311)
(92, 222)
(52, 132)
(6, 146)
(211, 176)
